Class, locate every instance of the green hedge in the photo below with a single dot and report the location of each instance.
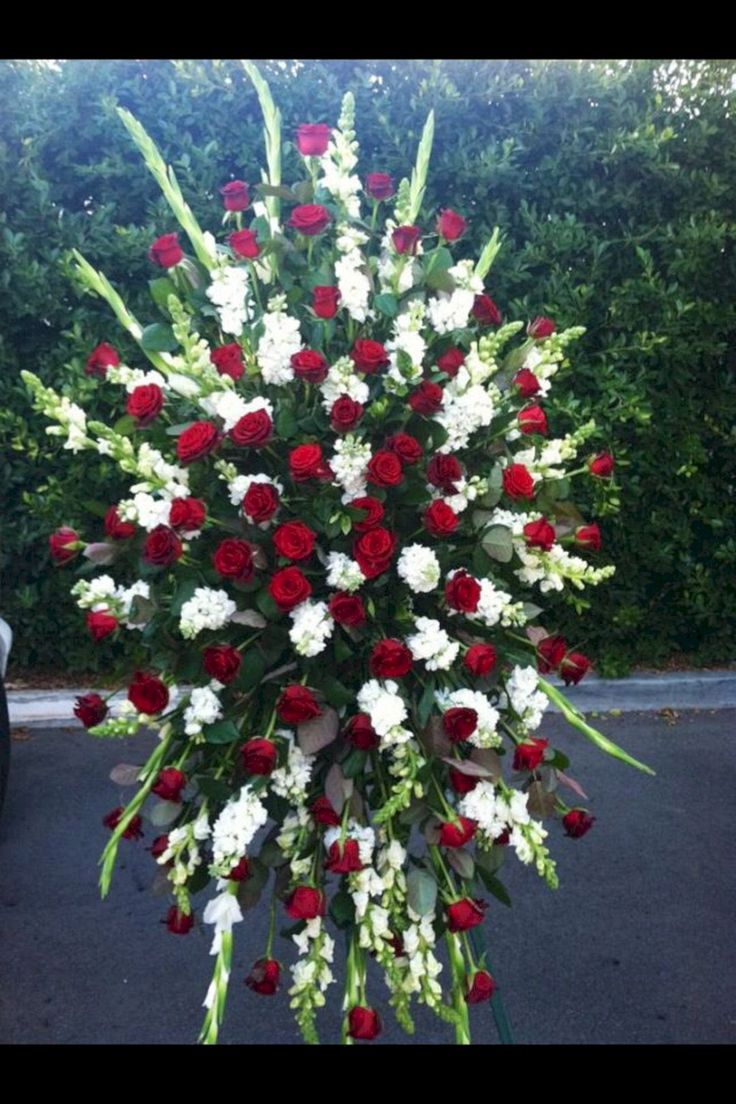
(612, 184)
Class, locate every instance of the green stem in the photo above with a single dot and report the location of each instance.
(271, 928)
(457, 968)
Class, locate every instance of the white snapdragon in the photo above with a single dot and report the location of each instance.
(525, 697)
(206, 609)
(407, 338)
(553, 568)
(145, 509)
(419, 567)
(450, 310)
(292, 780)
(182, 854)
(496, 605)
(463, 413)
(280, 340)
(485, 734)
(351, 273)
(390, 263)
(343, 573)
(432, 644)
(204, 708)
(235, 828)
(230, 293)
(466, 491)
(349, 464)
(386, 710)
(342, 379)
(312, 627)
(95, 594)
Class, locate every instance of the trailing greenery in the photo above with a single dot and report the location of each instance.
(611, 184)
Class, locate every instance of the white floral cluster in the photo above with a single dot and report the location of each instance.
(526, 699)
(230, 407)
(450, 310)
(464, 411)
(339, 160)
(234, 829)
(342, 379)
(467, 491)
(311, 973)
(146, 510)
(419, 567)
(280, 340)
(350, 271)
(349, 464)
(292, 780)
(295, 827)
(406, 338)
(206, 609)
(343, 573)
(72, 424)
(312, 626)
(390, 263)
(386, 709)
(552, 569)
(422, 966)
(432, 644)
(547, 460)
(182, 855)
(102, 593)
(157, 474)
(204, 708)
(485, 734)
(230, 293)
(223, 911)
(496, 811)
(131, 378)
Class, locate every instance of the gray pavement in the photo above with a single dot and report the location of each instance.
(635, 947)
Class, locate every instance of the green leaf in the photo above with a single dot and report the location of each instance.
(161, 289)
(183, 593)
(222, 732)
(426, 703)
(286, 423)
(354, 763)
(124, 426)
(254, 668)
(498, 544)
(336, 693)
(386, 304)
(342, 909)
(421, 892)
(158, 338)
(267, 606)
(498, 889)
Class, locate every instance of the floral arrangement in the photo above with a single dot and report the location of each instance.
(345, 499)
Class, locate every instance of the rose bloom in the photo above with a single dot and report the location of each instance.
(450, 225)
(379, 186)
(480, 659)
(427, 398)
(244, 243)
(459, 723)
(539, 534)
(485, 311)
(440, 519)
(406, 239)
(145, 403)
(135, 824)
(261, 502)
(347, 609)
(178, 923)
(196, 441)
(588, 536)
(390, 659)
(481, 987)
(325, 300)
(148, 693)
(462, 783)
(406, 447)
(462, 592)
(59, 543)
(465, 914)
(294, 540)
(518, 482)
(90, 709)
(235, 195)
(343, 859)
(444, 472)
(187, 514)
(241, 871)
(601, 465)
(373, 551)
(101, 358)
(323, 813)
(166, 251)
(374, 512)
(264, 977)
(369, 356)
(312, 139)
(115, 528)
(259, 756)
(309, 366)
(574, 667)
(305, 903)
(532, 419)
(101, 623)
(529, 754)
(289, 588)
(451, 361)
(162, 547)
(233, 559)
(310, 219)
(361, 733)
(385, 469)
(296, 704)
(253, 430)
(541, 327)
(228, 360)
(526, 382)
(550, 653)
(169, 784)
(363, 1023)
(222, 662)
(345, 414)
(457, 834)
(306, 462)
(577, 822)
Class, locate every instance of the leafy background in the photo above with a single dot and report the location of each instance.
(612, 185)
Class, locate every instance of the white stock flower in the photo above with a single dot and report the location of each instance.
(312, 626)
(432, 644)
(419, 567)
(206, 609)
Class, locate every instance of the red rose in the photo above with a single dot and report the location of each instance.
(253, 430)
(574, 667)
(135, 824)
(325, 300)
(481, 987)
(451, 361)
(444, 472)
(457, 834)
(363, 1023)
(526, 382)
(259, 756)
(385, 469)
(101, 623)
(361, 733)
(187, 514)
(228, 360)
(347, 609)
(261, 502)
(462, 783)
(369, 356)
(264, 977)
(178, 923)
(485, 311)
(406, 447)
(550, 653)
(312, 139)
(294, 540)
(440, 519)
(305, 903)
(373, 551)
(465, 914)
(374, 512)
(157, 848)
(518, 482)
(343, 859)
(577, 822)
(541, 327)
(101, 358)
(462, 592)
(169, 784)
(60, 545)
(310, 219)
(90, 709)
(345, 414)
(539, 534)
(197, 440)
(306, 462)
(459, 723)
(601, 465)
(588, 536)
(148, 693)
(529, 754)
(289, 588)
(309, 366)
(241, 871)
(480, 659)
(390, 659)
(233, 559)
(379, 186)
(166, 251)
(235, 195)
(427, 398)
(244, 243)
(450, 225)
(532, 419)
(162, 546)
(323, 813)
(145, 403)
(297, 704)
(222, 662)
(115, 528)
(406, 239)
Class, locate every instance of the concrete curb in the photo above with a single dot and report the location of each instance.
(686, 690)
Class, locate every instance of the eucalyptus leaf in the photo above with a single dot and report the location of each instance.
(498, 544)
(125, 774)
(338, 788)
(164, 813)
(461, 861)
(421, 892)
(319, 732)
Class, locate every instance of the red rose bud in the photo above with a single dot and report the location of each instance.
(145, 403)
(465, 914)
(309, 366)
(261, 502)
(457, 834)
(289, 588)
(187, 514)
(178, 923)
(158, 847)
(306, 462)
(222, 662)
(462, 783)
(526, 383)
(541, 327)
(374, 511)
(297, 704)
(347, 609)
(518, 481)
(390, 659)
(385, 469)
(503, 839)
(462, 592)
(116, 529)
(228, 360)
(601, 465)
(440, 519)
(294, 540)
(241, 871)
(166, 251)
(90, 709)
(162, 547)
(345, 414)
(344, 858)
(574, 667)
(264, 977)
(60, 544)
(101, 623)
(170, 784)
(235, 195)
(529, 755)
(532, 419)
(480, 659)
(374, 550)
(481, 987)
(101, 358)
(244, 243)
(196, 441)
(450, 225)
(379, 186)
(485, 311)
(148, 693)
(406, 447)
(406, 239)
(259, 756)
(539, 534)
(253, 430)
(233, 559)
(369, 356)
(310, 219)
(312, 139)
(363, 1023)
(135, 825)
(444, 472)
(427, 398)
(550, 653)
(459, 723)
(325, 300)
(305, 903)
(361, 733)
(588, 536)
(323, 813)
(577, 822)
(451, 361)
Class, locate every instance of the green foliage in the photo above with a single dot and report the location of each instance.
(611, 185)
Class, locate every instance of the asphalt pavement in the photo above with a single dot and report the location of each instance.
(636, 946)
